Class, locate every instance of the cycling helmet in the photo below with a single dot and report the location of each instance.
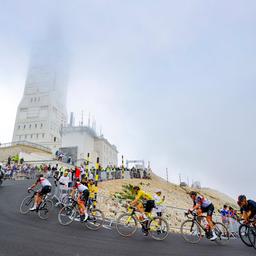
(241, 198)
(136, 188)
(193, 193)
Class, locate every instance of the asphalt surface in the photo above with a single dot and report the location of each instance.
(25, 235)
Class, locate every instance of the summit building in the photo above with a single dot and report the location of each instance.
(41, 113)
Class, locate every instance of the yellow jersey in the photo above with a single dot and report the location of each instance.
(142, 195)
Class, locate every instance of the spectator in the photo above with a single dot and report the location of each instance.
(159, 202)
(64, 180)
(224, 215)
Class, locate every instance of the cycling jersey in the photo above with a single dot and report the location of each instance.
(44, 182)
(251, 206)
(80, 187)
(143, 196)
(203, 202)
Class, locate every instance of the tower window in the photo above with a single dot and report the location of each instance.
(25, 136)
(18, 127)
(30, 126)
(31, 136)
(41, 126)
(35, 125)
(54, 139)
(24, 126)
(37, 135)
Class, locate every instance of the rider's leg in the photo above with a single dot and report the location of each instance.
(39, 199)
(211, 225)
(85, 200)
(36, 201)
(82, 209)
(140, 208)
(209, 220)
(148, 209)
(199, 213)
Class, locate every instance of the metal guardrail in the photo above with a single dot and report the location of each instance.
(174, 215)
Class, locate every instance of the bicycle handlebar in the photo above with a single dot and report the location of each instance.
(31, 189)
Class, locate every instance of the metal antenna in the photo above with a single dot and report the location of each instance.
(82, 118)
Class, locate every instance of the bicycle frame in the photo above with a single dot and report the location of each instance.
(132, 211)
(195, 220)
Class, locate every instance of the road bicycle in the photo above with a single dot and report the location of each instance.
(70, 212)
(193, 230)
(247, 233)
(127, 225)
(42, 210)
(252, 235)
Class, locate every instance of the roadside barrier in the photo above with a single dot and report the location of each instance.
(113, 207)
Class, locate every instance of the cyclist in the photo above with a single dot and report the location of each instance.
(83, 195)
(248, 209)
(46, 188)
(143, 201)
(202, 205)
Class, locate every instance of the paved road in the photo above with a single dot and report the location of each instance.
(25, 235)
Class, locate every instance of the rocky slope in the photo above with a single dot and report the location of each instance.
(176, 201)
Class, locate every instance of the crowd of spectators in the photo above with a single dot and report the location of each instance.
(230, 218)
(14, 169)
(228, 212)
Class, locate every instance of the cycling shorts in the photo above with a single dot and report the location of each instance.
(84, 196)
(209, 210)
(149, 205)
(45, 190)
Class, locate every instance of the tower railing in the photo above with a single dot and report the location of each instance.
(26, 143)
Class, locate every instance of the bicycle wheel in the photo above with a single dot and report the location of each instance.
(191, 231)
(67, 215)
(26, 204)
(158, 228)
(126, 225)
(244, 234)
(222, 233)
(49, 203)
(252, 236)
(95, 220)
(44, 209)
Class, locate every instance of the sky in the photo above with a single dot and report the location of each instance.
(170, 82)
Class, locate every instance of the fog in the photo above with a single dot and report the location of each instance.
(171, 82)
